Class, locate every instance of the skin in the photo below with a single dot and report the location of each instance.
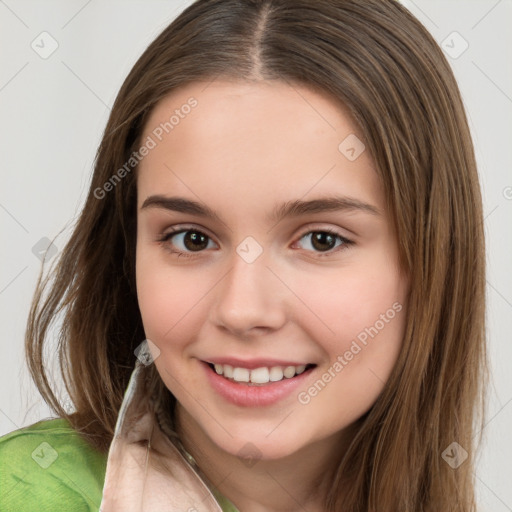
(243, 149)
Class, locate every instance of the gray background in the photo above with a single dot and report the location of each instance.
(54, 109)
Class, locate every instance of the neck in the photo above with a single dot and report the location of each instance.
(297, 481)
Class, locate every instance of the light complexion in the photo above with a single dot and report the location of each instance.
(245, 150)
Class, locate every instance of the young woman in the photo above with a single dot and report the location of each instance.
(273, 299)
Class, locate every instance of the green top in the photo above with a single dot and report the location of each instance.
(49, 467)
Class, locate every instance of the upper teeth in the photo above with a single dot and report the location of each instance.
(259, 375)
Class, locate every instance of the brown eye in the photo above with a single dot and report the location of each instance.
(185, 241)
(195, 240)
(325, 241)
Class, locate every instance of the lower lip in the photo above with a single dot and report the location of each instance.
(245, 395)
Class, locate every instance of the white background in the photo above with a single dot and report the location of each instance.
(53, 112)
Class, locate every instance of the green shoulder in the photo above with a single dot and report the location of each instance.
(48, 466)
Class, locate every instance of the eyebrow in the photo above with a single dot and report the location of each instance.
(289, 209)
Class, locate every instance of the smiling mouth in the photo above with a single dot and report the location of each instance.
(259, 376)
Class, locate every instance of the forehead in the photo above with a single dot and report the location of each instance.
(241, 137)
(226, 106)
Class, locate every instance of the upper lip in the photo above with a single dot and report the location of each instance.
(250, 364)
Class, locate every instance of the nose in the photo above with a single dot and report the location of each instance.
(250, 298)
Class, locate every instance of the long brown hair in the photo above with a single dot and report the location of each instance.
(383, 65)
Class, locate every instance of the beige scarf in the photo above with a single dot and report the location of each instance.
(146, 471)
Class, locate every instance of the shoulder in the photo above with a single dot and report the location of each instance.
(48, 466)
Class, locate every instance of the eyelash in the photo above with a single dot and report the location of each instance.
(165, 237)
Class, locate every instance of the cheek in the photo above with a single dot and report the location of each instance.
(346, 305)
(369, 338)
(368, 320)
(171, 300)
(161, 295)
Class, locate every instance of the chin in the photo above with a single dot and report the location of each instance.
(260, 447)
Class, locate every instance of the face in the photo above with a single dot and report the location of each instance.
(266, 263)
